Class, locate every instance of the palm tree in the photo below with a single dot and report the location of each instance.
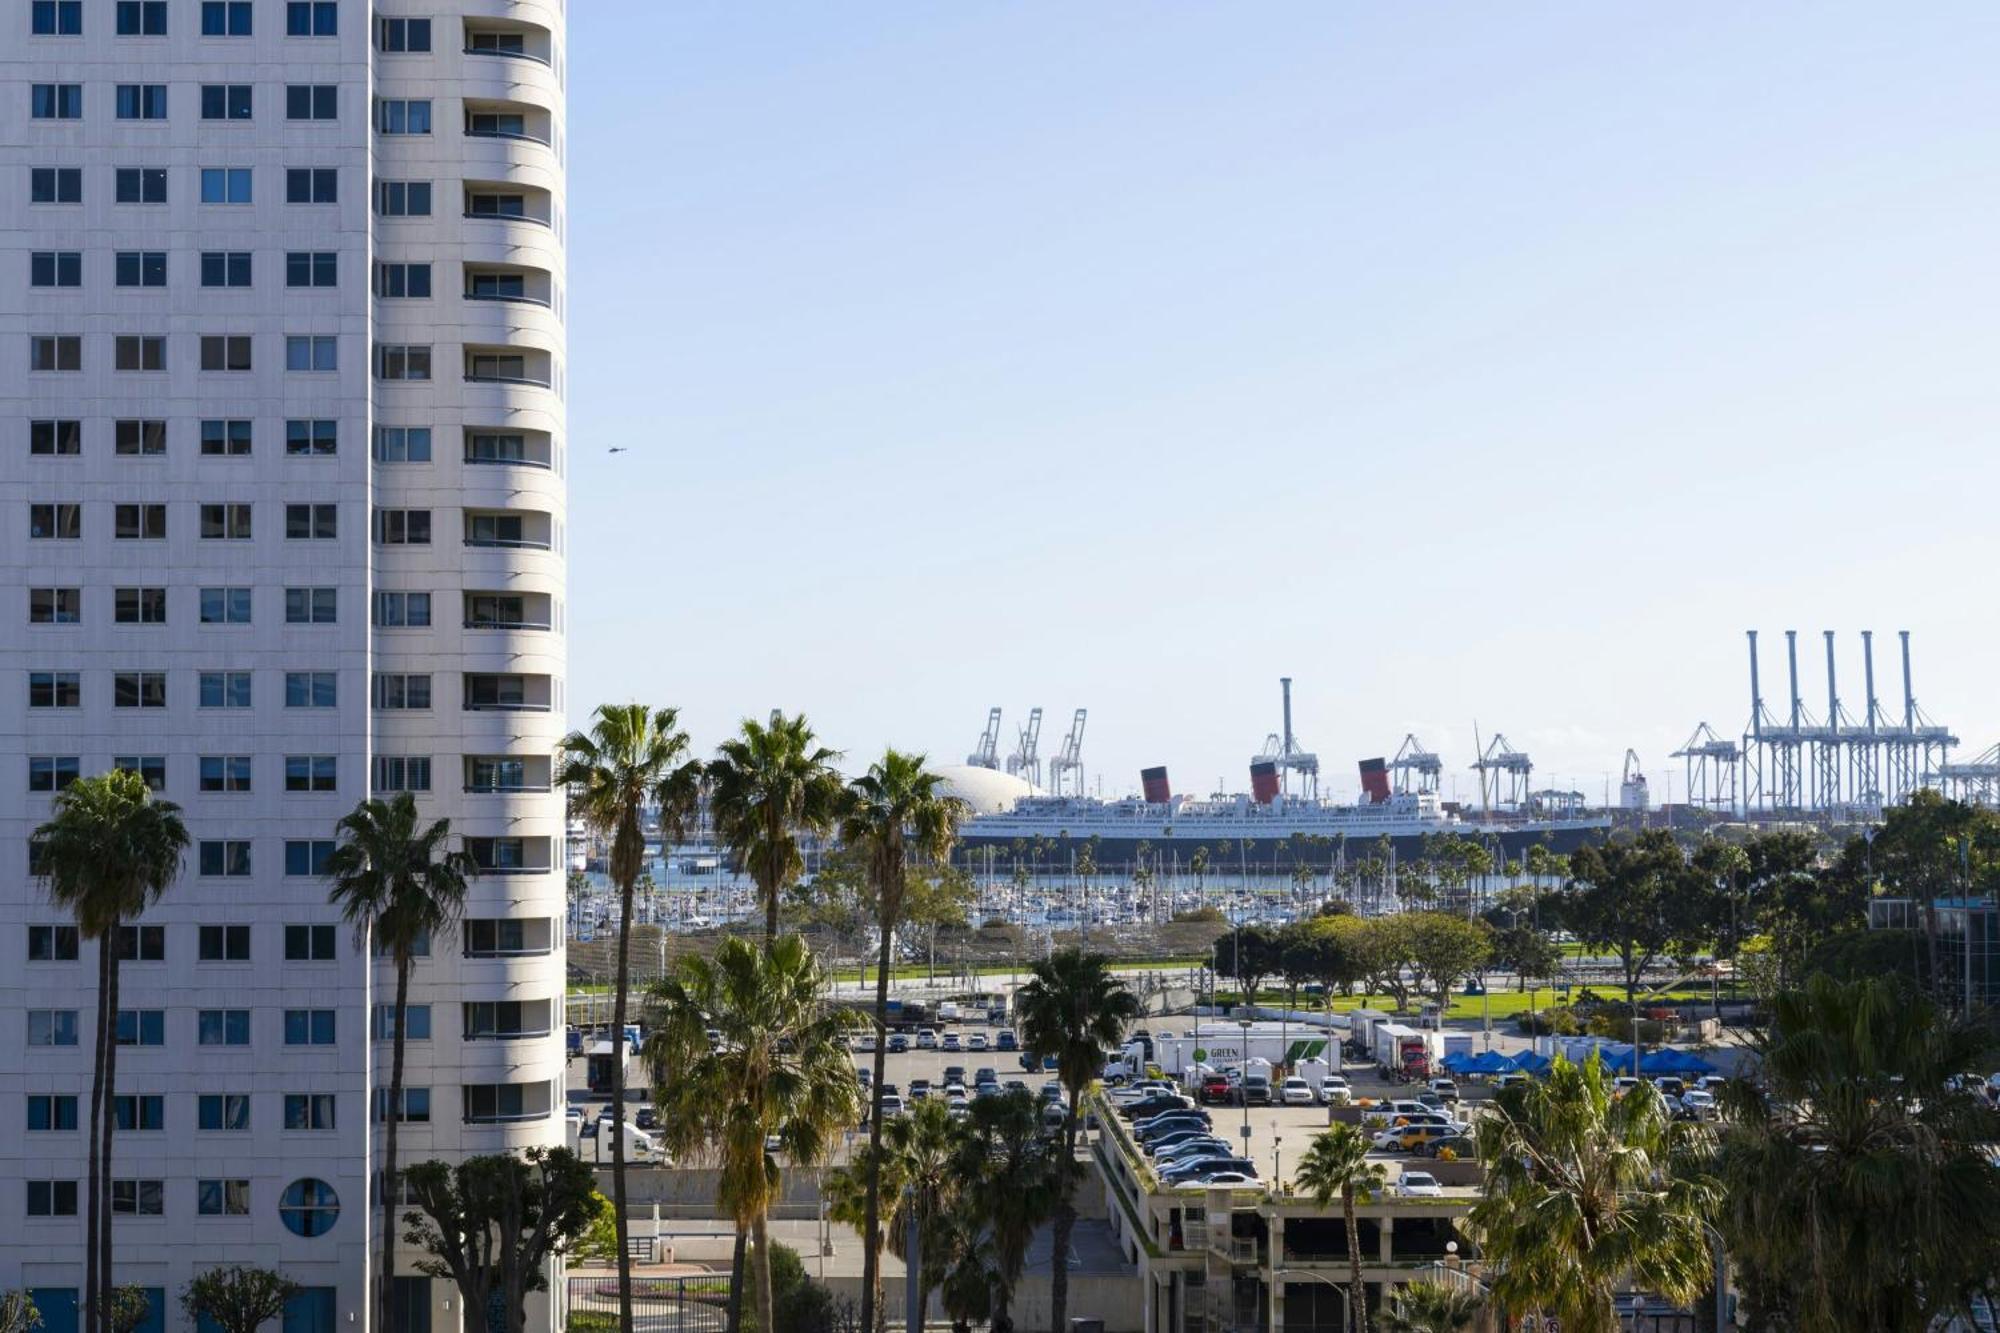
(400, 886)
(778, 1070)
(1021, 1182)
(1581, 1195)
(916, 1163)
(1337, 1162)
(768, 785)
(1860, 1193)
(1074, 1009)
(631, 756)
(897, 808)
(1431, 1307)
(107, 852)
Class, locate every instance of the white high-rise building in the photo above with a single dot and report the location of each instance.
(282, 523)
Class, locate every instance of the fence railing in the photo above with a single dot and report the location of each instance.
(696, 1303)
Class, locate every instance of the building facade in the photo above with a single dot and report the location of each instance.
(282, 515)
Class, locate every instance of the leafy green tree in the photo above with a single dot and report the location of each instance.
(400, 885)
(237, 1299)
(1023, 1177)
(1581, 1196)
(1336, 1162)
(778, 1070)
(1075, 1009)
(1250, 954)
(1444, 948)
(1382, 949)
(631, 757)
(129, 1307)
(914, 1162)
(1860, 1187)
(18, 1313)
(599, 1242)
(1527, 953)
(768, 785)
(896, 812)
(1930, 848)
(491, 1223)
(1431, 1307)
(108, 851)
(1639, 899)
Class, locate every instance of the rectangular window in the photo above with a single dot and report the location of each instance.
(52, 944)
(403, 610)
(311, 522)
(140, 439)
(225, 185)
(309, 1110)
(225, 18)
(225, 439)
(312, 18)
(139, 522)
(142, 101)
(403, 199)
(395, 361)
(225, 772)
(52, 1027)
(222, 1198)
(142, 944)
(312, 185)
(55, 185)
(55, 606)
(142, 18)
(225, 101)
(56, 18)
(139, 606)
(140, 268)
(309, 772)
(222, 1027)
(142, 1027)
(225, 522)
(223, 1111)
(312, 101)
(224, 606)
(306, 857)
(402, 444)
(60, 351)
(312, 353)
(51, 773)
(407, 35)
(141, 1112)
(417, 1022)
(139, 689)
(403, 280)
(52, 1198)
(229, 352)
(140, 185)
(55, 689)
(312, 268)
(55, 522)
(309, 1027)
(399, 116)
(133, 351)
(395, 772)
(224, 944)
(225, 689)
(226, 859)
(311, 606)
(396, 690)
(151, 767)
(309, 689)
(139, 1198)
(53, 439)
(403, 527)
(51, 1113)
(306, 439)
(57, 101)
(225, 268)
(55, 268)
(416, 1106)
(309, 944)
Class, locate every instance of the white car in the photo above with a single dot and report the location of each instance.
(926, 1039)
(1296, 1092)
(1228, 1178)
(1699, 1104)
(1420, 1185)
(1712, 1083)
(1334, 1091)
(976, 1042)
(1445, 1089)
(864, 1041)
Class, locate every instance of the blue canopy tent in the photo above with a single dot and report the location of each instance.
(1533, 1062)
(1457, 1062)
(1490, 1062)
(1665, 1060)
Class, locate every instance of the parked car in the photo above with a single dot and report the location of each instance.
(1216, 1089)
(864, 1041)
(1670, 1087)
(1445, 1089)
(927, 1039)
(1419, 1185)
(1626, 1084)
(891, 1104)
(1508, 1080)
(1409, 1138)
(949, 1042)
(1191, 1137)
(1256, 1090)
(976, 1042)
(898, 1043)
(1052, 1090)
(1460, 1145)
(1334, 1091)
(647, 1118)
(1190, 1172)
(1228, 1178)
(1697, 1105)
(984, 1074)
(1296, 1092)
(954, 1073)
(920, 1088)
(1005, 1040)
(1154, 1105)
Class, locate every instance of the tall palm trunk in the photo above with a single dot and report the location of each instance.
(106, 1283)
(103, 1034)
(736, 1258)
(1065, 1225)
(392, 1118)
(763, 1263)
(618, 1106)
(1357, 1295)
(871, 1228)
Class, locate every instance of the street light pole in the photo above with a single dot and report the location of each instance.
(1242, 1075)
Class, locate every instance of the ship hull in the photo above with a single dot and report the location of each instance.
(1258, 852)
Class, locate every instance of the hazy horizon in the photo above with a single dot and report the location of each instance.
(1465, 364)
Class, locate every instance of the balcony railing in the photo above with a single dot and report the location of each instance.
(511, 870)
(507, 134)
(511, 298)
(509, 543)
(513, 1118)
(503, 788)
(541, 952)
(476, 460)
(507, 708)
(508, 624)
(529, 381)
(507, 217)
(509, 55)
(509, 1035)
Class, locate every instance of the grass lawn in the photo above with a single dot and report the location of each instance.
(1499, 1005)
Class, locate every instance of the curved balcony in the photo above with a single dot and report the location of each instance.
(486, 447)
(522, 367)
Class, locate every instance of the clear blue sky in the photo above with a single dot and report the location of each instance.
(1463, 361)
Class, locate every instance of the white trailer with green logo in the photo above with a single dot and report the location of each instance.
(1220, 1045)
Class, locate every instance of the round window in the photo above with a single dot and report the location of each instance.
(309, 1207)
